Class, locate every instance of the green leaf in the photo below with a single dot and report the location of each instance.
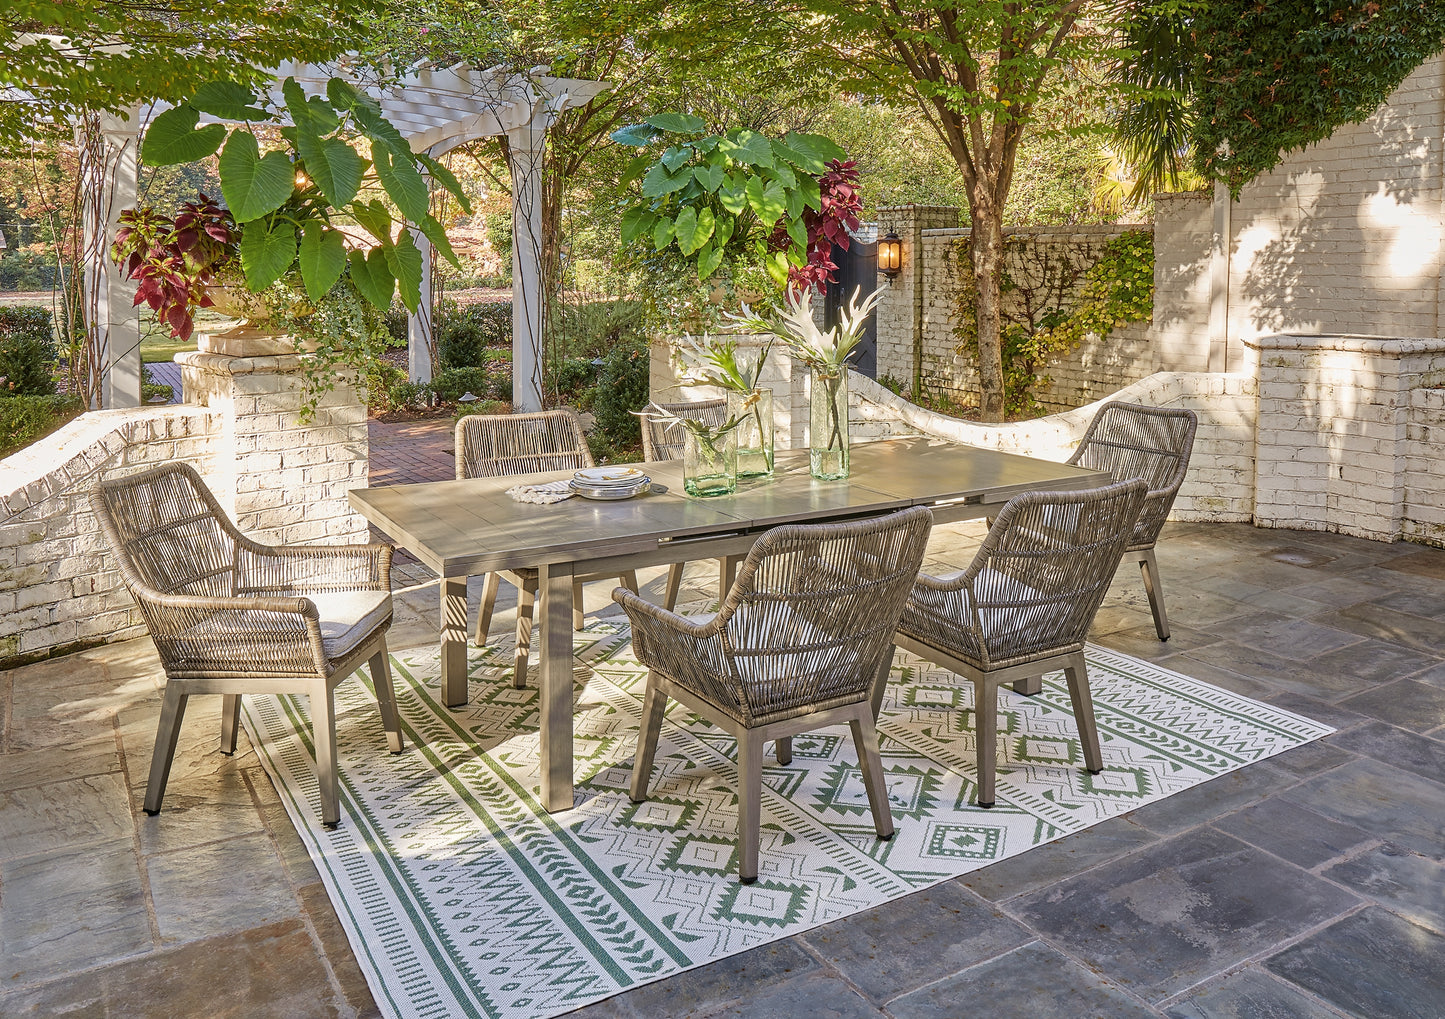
(708, 259)
(312, 117)
(322, 257)
(777, 265)
(747, 147)
(406, 187)
(710, 177)
(798, 232)
(366, 114)
(768, 201)
(172, 138)
(375, 219)
(662, 233)
(808, 164)
(659, 182)
(227, 100)
(251, 185)
(693, 228)
(734, 199)
(812, 194)
(437, 234)
(678, 123)
(795, 204)
(637, 222)
(723, 231)
(676, 156)
(372, 277)
(634, 169)
(447, 179)
(814, 146)
(404, 260)
(267, 251)
(784, 175)
(636, 135)
(336, 168)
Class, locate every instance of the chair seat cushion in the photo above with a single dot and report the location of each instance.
(945, 619)
(349, 617)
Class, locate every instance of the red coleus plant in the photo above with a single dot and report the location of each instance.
(829, 225)
(174, 260)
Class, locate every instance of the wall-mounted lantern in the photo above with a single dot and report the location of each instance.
(890, 255)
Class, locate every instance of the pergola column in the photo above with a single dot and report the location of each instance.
(111, 169)
(526, 144)
(420, 337)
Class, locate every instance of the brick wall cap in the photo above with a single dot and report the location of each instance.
(1359, 344)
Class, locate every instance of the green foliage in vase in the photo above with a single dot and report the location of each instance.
(826, 351)
(714, 361)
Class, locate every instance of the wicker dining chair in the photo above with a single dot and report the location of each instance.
(1024, 606)
(231, 616)
(1153, 443)
(800, 641)
(497, 445)
(661, 443)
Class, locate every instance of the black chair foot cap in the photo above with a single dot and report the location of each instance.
(984, 805)
(1164, 638)
(886, 838)
(747, 880)
(151, 813)
(228, 753)
(1091, 771)
(331, 825)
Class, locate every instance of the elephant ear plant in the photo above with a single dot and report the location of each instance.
(735, 197)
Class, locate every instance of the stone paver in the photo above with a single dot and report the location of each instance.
(1307, 885)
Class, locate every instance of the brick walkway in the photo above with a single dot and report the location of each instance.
(406, 452)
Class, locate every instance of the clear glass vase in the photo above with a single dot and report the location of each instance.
(828, 426)
(754, 432)
(710, 466)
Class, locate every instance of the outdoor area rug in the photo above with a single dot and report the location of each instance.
(462, 897)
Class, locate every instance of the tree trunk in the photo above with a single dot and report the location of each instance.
(987, 244)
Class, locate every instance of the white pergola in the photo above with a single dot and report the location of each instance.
(436, 109)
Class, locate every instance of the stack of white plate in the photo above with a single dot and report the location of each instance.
(610, 482)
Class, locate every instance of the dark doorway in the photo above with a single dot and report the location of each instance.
(857, 270)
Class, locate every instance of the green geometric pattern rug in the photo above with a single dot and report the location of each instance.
(461, 897)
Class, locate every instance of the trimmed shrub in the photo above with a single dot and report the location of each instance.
(575, 381)
(490, 382)
(464, 335)
(622, 387)
(26, 419)
(27, 352)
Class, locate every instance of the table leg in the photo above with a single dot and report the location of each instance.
(454, 641)
(555, 687)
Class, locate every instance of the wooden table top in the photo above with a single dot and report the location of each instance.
(468, 527)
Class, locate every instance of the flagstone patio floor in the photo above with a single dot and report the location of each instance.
(1311, 884)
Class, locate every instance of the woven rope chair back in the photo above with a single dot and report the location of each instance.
(167, 532)
(815, 605)
(497, 445)
(1133, 441)
(662, 443)
(1046, 564)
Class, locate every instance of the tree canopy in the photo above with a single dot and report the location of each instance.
(108, 55)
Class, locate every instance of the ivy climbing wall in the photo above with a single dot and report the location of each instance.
(1047, 274)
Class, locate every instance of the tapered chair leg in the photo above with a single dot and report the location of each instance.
(880, 681)
(526, 603)
(783, 748)
(173, 709)
(1078, 677)
(750, 805)
(381, 682)
(1029, 686)
(323, 736)
(985, 721)
(489, 603)
(865, 740)
(674, 585)
(579, 613)
(230, 722)
(654, 704)
(1150, 570)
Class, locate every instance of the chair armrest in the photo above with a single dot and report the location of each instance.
(247, 635)
(302, 568)
(691, 654)
(659, 620)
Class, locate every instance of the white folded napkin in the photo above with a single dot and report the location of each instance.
(552, 491)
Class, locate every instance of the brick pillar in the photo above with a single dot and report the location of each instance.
(900, 311)
(282, 481)
(1331, 444)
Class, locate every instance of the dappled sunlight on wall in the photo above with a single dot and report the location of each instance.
(1410, 237)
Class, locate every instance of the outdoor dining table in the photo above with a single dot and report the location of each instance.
(470, 527)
